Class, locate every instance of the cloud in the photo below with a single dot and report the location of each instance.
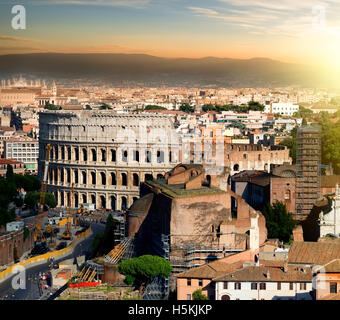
(11, 38)
(288, 18)
(107, 3)
(286, 5)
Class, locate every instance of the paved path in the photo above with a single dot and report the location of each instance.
(32, 292)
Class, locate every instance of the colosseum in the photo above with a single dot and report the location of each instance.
(105, 155)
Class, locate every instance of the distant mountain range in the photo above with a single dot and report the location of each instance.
(151, 70)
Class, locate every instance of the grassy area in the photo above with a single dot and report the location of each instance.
(105, 288)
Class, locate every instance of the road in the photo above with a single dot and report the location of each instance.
(32, 292)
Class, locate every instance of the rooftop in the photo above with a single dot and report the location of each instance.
(313, 252)
(178, 190)
(268, 274)
(210, 270)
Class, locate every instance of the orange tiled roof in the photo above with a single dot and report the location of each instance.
(268, 274)
(210, 270)
(313, 252)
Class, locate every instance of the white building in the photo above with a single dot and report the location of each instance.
(23, 149)
(14, 226)
(286, 109)
(265, 283)
(330, 221)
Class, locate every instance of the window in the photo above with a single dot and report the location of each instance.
(263, 286)
(188, 296)
(200, 282)
(253, 286)
(189, 283)
(147, 156)
(124, 156)
(303, 286)
(225, 285)
(160, 156)
(124, 179)
(291, 286)
(287, 195)
(136, 156)
(333, 287)
(237, 286)
(279, 286)
(113, 155)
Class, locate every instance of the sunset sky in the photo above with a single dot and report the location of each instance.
(285, 30)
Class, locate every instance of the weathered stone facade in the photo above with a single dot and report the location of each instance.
(9, 241)
(105, 155)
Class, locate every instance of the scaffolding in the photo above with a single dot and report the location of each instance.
(90, 271)
(118, 252)
(308, 175)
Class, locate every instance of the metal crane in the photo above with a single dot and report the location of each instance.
(67, 233)
(38, 234)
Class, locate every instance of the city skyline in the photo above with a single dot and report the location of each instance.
(300, 32)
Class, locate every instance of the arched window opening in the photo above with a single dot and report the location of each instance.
(93, 177)
(102, 202)
(124, 156)
(76, 154)
(147, 156)
(136, 155)
(113, 203)
(103, 178)
(69, 154)
(84, 176)
(135, 180)
(113, 179)
(113, 155)
(124, 203)
(103, 151)
(84, 154)
(160, 156)
(93, 199)
(94, 155)
(124, 179)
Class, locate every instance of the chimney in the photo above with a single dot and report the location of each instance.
(254, 233)
(268, 274)
(285, 266)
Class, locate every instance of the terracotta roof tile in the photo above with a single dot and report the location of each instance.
(268, 274)
(210, 270)
(313, 252)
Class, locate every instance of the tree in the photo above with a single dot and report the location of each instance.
(279, 222)
(26, 232)
(198, 295)
(88, 107)
(104, 242)
(187, 108)
(154, 107)
(255, 106)
(50, 106)
(145, 268)
(105, 106)
(9, 173)
(109, 234)
(96, 244)
(33, 197)
(303, 112)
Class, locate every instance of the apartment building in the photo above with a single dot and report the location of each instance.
(23, 149)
